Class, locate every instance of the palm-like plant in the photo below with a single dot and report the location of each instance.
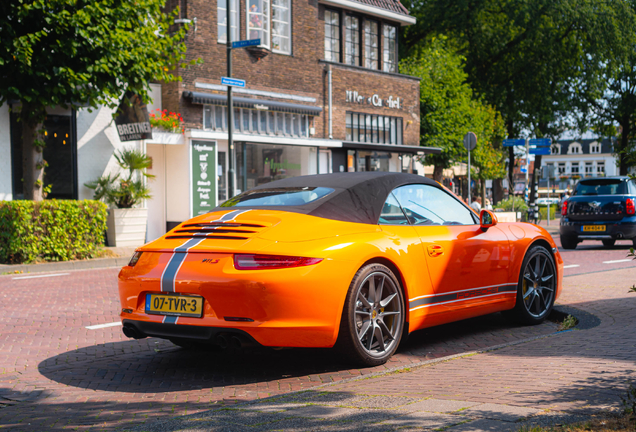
(121, 190)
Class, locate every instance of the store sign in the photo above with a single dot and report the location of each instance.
(132, 121)
(375, 100)
(204, 177)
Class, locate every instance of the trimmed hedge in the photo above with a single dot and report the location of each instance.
(51, 230)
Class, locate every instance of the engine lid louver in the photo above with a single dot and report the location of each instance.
(216, 230)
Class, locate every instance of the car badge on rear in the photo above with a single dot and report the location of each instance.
(210, 261)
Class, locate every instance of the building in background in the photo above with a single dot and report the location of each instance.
(576, 159)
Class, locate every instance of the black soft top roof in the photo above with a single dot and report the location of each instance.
(357, 197)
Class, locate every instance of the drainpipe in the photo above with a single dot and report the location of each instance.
(330, 104)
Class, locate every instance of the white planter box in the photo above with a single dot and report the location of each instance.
(127, 227)
(163, 137)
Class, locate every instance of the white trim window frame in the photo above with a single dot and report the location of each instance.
(222, 17)
(257, 21)
(281, 27)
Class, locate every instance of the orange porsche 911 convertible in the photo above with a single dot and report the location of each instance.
(351, 260)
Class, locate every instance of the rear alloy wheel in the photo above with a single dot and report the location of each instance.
(609, 242)
(569, 242)
(373, 316)
(537, 287)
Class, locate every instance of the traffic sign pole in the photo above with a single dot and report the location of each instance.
(230, 104)
(527, 167)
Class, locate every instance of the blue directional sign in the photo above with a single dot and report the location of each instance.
(514, 142)
(246, 43)
(232, 82)
(523, 169)
(541, 142)
(540, 151)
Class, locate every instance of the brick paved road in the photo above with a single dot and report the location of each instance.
(55, 373)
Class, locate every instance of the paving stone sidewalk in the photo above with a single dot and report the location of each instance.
(551, 380)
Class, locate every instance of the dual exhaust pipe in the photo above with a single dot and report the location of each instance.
(223, 340)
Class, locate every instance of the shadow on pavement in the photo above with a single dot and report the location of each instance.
(156, 366)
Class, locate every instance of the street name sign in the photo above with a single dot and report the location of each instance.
(540, 151)
(514, 142)
(246, 43)
(541, 142)
(232, 82)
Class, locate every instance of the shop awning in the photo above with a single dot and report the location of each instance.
(395, 148)
(241, 102)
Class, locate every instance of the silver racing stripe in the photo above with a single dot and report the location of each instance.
(463, 295)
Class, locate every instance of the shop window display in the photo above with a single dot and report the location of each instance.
(263, 163)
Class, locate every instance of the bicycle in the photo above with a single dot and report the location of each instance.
(533, 217)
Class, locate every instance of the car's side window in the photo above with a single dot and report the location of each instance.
(392, 213)
(428, 205)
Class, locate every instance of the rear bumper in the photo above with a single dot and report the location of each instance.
(211, 335)
(614, 230)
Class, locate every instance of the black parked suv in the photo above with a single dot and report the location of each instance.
(600, 208)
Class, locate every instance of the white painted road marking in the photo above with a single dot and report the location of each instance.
(40, 276)
(617, 261)
(571, 266)
(100, 326)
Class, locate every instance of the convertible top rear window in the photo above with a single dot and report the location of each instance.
(601, 187)
(282, 196)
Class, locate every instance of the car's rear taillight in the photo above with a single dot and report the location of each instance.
(564, 208)
(265, 262)
(630, 209)
(134, 259)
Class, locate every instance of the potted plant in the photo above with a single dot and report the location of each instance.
(122, 192)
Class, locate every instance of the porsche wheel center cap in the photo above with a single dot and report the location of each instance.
(374, 314)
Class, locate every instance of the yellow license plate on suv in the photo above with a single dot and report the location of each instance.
(593, 228)
(176, 305)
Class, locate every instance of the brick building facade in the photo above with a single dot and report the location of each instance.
(323, 91)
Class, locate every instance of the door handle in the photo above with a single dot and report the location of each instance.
(435, 250)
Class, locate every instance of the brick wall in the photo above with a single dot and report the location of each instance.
(301, 73)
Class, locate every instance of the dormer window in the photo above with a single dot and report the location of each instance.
(555, 150)
(595, 147)
(574, 148)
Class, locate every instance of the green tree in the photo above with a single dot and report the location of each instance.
(80, 52)
(524, 57)
(448, 108)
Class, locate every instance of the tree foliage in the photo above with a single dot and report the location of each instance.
(80, 52)
(449, 109)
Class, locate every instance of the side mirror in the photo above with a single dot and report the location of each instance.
(487, 219)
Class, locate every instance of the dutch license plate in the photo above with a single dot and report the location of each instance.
(177, 305)
(593, 228)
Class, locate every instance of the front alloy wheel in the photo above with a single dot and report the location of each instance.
(373, 316)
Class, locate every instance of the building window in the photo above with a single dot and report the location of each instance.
(352, 40)
(260, 122)
(371, 44)
(373, 129)
(222, 18)
(600, 168)
(389, 58)
(555, 150)
(281, 26)
(258, 21)
(561, 168)
(575, 168)
(589, 169)
(574, 148)
(332, 36)
(595, 148)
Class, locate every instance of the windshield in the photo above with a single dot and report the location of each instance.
(601, 187)
(291, 196)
